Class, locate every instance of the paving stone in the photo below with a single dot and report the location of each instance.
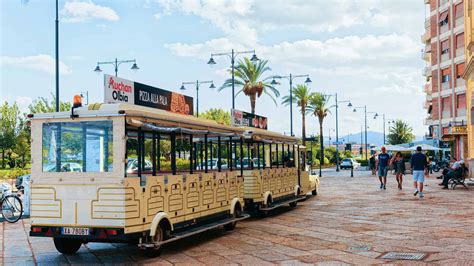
(349, 212)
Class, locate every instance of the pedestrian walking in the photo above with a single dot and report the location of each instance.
(399, 168)
(372, 163)
(382, 167)
(418, 165)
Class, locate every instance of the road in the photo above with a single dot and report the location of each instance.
(351, 221)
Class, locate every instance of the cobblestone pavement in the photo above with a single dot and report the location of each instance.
(350, 222)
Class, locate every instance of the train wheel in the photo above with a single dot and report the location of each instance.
(237, 214)
(68, 246)
(157, 238)
(269, 203)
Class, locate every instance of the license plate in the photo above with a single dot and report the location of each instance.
(76, 231)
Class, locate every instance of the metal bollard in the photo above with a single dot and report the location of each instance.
(352, 171)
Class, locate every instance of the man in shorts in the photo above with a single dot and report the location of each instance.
(418, 166)
(382, 167)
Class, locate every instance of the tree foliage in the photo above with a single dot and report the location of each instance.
(218, 115)
(400, 132)
(301, 96)
(9, 129)
(318, 106)
(248, 77)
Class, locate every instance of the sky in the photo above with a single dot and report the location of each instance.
(366, 51)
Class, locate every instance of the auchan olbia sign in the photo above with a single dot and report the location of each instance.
(118, 90)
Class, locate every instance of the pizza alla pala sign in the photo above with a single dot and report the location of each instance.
(118, 90)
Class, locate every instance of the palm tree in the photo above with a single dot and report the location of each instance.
(400, 132)
(301, 95)
(318, 106)
(248, 76)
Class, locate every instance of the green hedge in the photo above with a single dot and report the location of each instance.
(13, 173)
(363, 162)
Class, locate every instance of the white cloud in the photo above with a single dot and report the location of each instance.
(81, 11)
(366, 51)
(41, 62)
(22, 101)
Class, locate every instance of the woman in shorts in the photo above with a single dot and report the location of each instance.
(399, 168)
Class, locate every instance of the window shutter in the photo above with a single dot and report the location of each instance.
(460, 40)
(445, 72)
(460, 69)
(443, 16)
(461, 101)
(446, 104)
(459, 10)
(445, 45)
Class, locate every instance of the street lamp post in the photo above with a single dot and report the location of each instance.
(57, 57)
(232, 55)
(365, 122)
(197, 82)
(116, 64)
(390, 121)
(337, 127)
(291, 77)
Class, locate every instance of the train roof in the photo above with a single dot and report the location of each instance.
(147, 114)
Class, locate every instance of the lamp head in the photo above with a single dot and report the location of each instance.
(134, 67)
(211, 61)
(349, 104)
(212, 85)
(355, 110)
(308, 80)
(254, 58)
(274, 82)
(97, 69)
(182, 87)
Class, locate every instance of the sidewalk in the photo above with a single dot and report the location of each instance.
(352, 221)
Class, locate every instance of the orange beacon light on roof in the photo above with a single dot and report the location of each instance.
(77, 101)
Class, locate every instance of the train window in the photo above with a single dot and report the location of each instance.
(77, 146)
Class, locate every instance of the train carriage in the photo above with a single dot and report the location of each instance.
(121, 172)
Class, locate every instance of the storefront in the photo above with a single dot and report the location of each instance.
(457, 137)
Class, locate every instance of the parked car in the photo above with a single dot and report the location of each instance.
(212, 164)
(65, 167)
(132, 166)
(347, 163)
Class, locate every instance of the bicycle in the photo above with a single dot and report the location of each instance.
(10, 206)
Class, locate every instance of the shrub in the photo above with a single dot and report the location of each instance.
(363, 162)
(13, 173)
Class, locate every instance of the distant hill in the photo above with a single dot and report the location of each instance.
(373, 137)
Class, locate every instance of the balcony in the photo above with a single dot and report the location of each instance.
(427, 88)
(428, 48)
(459, 22)
(460, 51)
(443, 29)
(461, 112)
(425, 56)
(426, 37)
(446, 114)
(444, 57)
(460, 82)
(445, 85)
(428, 121)
(427, 23)
(426, 105)
(426, 71)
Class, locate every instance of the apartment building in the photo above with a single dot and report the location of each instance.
(445, 87)
(469, 76)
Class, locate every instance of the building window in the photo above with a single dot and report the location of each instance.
(459, 11)
(459, 70)
(445, 78)
(445, 47)
(443, 19)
